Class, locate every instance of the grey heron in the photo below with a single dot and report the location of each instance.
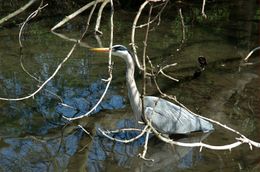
(168, 118)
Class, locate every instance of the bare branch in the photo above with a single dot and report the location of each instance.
(71, 16)
(45, 82)
(38, 80)
(31, 16)
(133, 34)
(156, 17)
(17, 11)
(183, 26)
(109, 67)
(250, 53)
(85, 131)
(94, 107)
(164, 74)
(125, 141)
(145, 147)
(203, 9)
(105, 2)
(82, 44)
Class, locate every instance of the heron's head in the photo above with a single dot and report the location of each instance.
(117, 50)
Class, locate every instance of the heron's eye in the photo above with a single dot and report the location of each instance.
(119, 48)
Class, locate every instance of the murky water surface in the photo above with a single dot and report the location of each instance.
(34, 137)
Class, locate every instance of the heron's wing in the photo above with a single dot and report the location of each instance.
(172, 119)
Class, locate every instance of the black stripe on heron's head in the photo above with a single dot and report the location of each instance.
(116, 48)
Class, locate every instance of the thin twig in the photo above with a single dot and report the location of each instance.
(81, 43)
(45, 82)
(156, 17)
(146, 147)
(133, 34)
(123, 130)
(94, 107)
(183, 26)
(85, 131)
(31, 16)
(164, 74)
(124, 141)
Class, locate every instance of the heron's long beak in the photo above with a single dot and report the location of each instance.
(99, 49)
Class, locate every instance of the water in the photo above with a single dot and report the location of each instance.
(34, 137)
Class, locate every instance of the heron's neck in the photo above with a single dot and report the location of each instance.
(133, 93)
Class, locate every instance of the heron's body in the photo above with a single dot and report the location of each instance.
(165, 116)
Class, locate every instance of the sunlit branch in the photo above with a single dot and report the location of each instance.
(111, 38)
(144, 59)
(109, 68)
(71, 16)
(82, 44)
(40, 81)
(31, 16)
(17, 11)
(122, 130)
(250, 53)
(240, 141)
(164, 74)
(133, 34)
(105, 133)
(157, 17)
(45, 82)
(183, 26)
(96, 105)
(105, 2)
(146, 147)
(85, 131)
(203, 9)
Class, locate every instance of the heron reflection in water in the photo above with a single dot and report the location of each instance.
(165, 117)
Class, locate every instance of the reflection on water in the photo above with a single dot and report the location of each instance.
(32, 137)
(121, 155)
(33, 154)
